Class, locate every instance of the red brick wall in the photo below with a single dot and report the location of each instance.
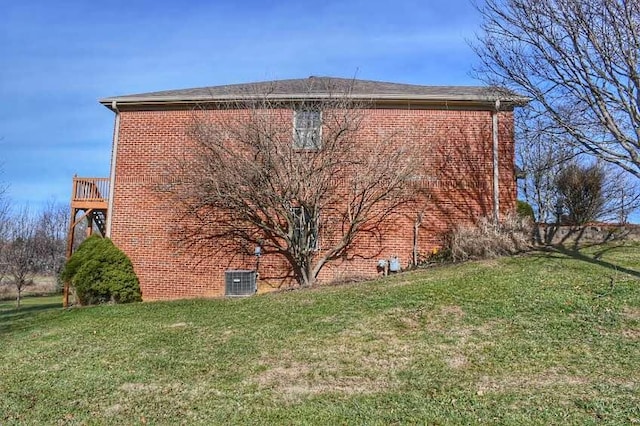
(455, 148)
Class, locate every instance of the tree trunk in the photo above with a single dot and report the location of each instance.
(416, 229)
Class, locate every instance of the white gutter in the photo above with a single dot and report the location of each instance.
(112, 175)
(145, 100)
(496, 165)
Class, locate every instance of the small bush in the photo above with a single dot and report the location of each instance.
(488, 239)
(524, 209)
(101, 273)
(581, 191)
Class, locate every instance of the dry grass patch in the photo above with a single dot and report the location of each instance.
(346, 364)
(631, 333)
(456, 361)
(456, 342)
(302, 379)
(449, 321)
(114, 410)
(453, 311)
(369, 356)
(631, 313)
(139, 387)
(179, 325)
(362, 359)
(529, 383)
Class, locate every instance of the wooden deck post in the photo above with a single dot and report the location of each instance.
(89, 225)
(70, 238)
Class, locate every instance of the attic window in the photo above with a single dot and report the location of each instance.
(307, 124)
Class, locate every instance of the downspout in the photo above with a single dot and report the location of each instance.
(112, 175)
(496, 165)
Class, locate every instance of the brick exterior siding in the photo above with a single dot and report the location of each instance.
(454, 145)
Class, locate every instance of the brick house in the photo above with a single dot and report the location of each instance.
(464, 136)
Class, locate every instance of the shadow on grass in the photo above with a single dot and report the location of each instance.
(596, 259)
(11, 317)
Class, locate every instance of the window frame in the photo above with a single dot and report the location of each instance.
(300, 215)
(303, 136)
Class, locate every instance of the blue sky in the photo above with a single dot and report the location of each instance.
(59, 58)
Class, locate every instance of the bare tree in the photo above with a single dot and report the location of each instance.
(21, 255)
(578, 60)
(305, 191)
(51, 234)
(540, 156)
(543, 156)
(621, 194)
(4, 226)
(4, 205)
(4, 202)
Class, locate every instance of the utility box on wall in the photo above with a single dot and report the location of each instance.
(240, 282)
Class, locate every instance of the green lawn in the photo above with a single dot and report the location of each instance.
(29, 306)
(547, 338)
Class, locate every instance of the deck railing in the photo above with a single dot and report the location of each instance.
(90, 189)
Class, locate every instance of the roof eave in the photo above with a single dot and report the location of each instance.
(132, 101)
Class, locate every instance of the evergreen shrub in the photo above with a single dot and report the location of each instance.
(101, 273)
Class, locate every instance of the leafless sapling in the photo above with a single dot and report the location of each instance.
(21, 255)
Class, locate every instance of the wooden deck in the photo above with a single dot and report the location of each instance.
(90, 193)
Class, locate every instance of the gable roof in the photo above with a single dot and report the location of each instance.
(323, 87)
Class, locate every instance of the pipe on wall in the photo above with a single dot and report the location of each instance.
(112, 175)
(496, 165)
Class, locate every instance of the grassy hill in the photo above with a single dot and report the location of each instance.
(548, 338)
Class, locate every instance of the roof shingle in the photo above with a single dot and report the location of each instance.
(323, 87)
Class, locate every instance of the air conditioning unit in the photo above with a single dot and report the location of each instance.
(240, 282)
